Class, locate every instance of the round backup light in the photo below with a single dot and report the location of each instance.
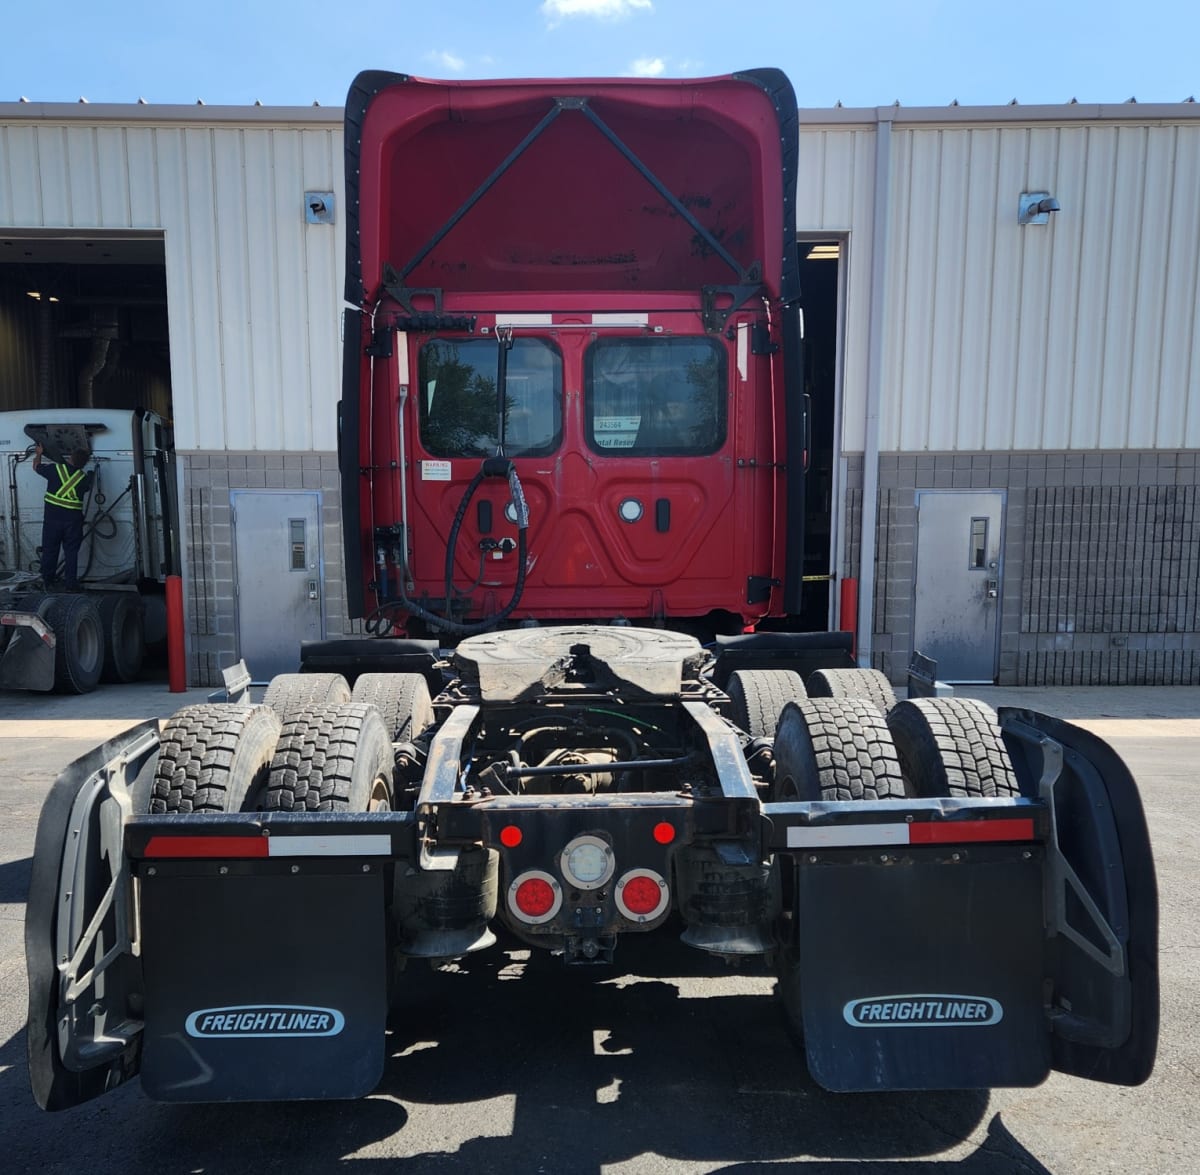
(535, 897)
(642, 895)
(510, 511)
(587, 862)
(630, 510)
(510, 836)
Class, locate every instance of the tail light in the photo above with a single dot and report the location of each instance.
(534, 897)
(642, 895)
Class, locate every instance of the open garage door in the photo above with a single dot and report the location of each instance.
(83, 322)
(85, 363)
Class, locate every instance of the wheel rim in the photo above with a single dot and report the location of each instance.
(90, 644)
(381, 798)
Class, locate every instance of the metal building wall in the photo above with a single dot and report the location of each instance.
(834, 198)
(1081, 334)
(1057, 363)
(254, 293)
(1077, 334)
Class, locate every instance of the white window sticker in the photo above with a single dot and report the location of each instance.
(435, 470)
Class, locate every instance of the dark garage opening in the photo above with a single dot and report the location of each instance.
(85, 360)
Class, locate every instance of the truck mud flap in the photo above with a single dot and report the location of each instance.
(1101, 900)
(85, 985)
(28, 658)
(264, 945)
(921, 968)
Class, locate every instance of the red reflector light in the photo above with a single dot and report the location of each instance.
(641, 894)
(510, 836)
(534, 897)
(207, 846)
(964, 831)
(664, 833)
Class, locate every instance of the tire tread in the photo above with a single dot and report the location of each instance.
(952, 747)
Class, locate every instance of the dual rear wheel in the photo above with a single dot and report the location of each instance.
(312, 746)
(843, 747)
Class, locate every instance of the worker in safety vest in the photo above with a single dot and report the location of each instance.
(62, 521)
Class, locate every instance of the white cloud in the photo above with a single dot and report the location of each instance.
(556, 11)
(447, 60)
(648, 67)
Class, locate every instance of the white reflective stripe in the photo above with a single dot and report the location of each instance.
(375, 845)
(621, 318)
(847, 834)
(743, 349)
(524, 319)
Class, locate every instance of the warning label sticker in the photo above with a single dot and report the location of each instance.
(435, 470)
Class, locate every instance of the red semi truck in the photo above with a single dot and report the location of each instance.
(573, 445)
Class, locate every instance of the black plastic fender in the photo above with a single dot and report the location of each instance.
(1101, 899)
(85, 1038)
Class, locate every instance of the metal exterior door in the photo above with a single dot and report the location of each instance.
(958, 576)
(279, 577)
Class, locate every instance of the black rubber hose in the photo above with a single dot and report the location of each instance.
(492, 467)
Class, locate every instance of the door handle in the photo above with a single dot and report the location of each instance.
(312, 589)
(993, 589)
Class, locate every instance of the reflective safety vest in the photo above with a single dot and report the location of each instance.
(66, 495)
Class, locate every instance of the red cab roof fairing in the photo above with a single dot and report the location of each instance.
(575, 185)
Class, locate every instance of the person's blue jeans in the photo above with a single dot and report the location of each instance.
(62, 530)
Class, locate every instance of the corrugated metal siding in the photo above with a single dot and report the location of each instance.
(835, 197)
(1080, 334)
(254, 293)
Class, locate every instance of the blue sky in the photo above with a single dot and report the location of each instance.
(859, 52)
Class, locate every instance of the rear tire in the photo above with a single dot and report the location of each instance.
(213, 758)
(758, 697)
(835, 749)
(825, 749)
(867, 685)
(289, 693)
(403, 700)
(331, 759)
(124, 641)
(79, 643)
(951, 747)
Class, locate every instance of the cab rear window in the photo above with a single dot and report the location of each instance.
(655, 396)
(458, 407)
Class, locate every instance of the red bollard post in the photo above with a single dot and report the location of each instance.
(176, 654)
(848, 612)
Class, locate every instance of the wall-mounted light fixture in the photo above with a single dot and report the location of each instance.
(1035, 208)
(318, 207)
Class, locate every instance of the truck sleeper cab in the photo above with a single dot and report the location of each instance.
(596, 283)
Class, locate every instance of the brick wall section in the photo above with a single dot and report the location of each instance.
(208, 480)
(1101, 562)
